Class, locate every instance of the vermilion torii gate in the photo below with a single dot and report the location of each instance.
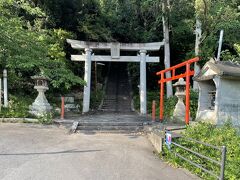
(115, 49)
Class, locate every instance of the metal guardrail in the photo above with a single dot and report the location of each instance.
(220, 163)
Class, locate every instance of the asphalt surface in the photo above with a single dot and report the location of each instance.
(29, 152)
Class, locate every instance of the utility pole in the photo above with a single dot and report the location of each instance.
(165, 19)
(220, 45)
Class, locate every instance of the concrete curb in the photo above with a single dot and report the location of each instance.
(156, 135)
(18, 120)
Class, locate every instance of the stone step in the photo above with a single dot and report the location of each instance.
(90, 123)
(110, 101)
(109, 131)
(121, 99)
(111, 128)
(108, 109)
(116, 110)
(115, 107)
(114, 104)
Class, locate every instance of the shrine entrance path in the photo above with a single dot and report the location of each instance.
(48, 152)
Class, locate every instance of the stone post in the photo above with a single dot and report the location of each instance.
(5, 90)
(143, 87)
(87, 79)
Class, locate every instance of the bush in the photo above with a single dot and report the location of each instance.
(96, 98)
(218, 136)
(46, 118)
(18, 107)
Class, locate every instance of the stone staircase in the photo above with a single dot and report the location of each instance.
(118, 91)
(106, 122)
(115, 115)
(111, 122)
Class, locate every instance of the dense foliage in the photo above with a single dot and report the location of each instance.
(27, 49)
(219, 136)
(33, 32)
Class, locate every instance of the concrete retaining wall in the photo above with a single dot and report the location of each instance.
(156, 137)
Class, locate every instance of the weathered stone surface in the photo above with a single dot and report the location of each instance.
(219, 93)
(180, 109)
(40, 105)
(69, 104)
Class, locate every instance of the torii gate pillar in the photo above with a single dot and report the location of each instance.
(143, 87)
(87, 79)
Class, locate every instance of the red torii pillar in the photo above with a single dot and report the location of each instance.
(188, 73)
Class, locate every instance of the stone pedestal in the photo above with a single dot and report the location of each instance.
(180, 109)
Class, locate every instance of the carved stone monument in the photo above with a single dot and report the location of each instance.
(69, 103)
(180, 109)
(40, 105)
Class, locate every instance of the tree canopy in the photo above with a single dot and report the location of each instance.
(33, 32)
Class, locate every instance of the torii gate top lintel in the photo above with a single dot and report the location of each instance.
(76, 44)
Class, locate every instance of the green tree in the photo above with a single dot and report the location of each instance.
(217, 15)
(26, 48)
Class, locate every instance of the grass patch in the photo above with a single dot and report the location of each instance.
(226, 135)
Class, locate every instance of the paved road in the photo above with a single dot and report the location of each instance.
(48, 153)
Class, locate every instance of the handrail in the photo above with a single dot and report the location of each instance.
(220, 163)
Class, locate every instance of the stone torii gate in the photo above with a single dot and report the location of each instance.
(115, 49)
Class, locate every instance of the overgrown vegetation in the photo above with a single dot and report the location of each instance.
(226, 135)
(46, 118)
(18, 107)
(96, 98)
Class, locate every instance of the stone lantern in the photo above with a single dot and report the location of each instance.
(40, 105)
(180, 109)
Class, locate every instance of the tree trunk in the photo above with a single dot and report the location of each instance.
(198, 33)
(165, 9)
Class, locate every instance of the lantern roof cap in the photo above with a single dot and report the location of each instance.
(225, 69)
(40, 77)
(180, 82)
